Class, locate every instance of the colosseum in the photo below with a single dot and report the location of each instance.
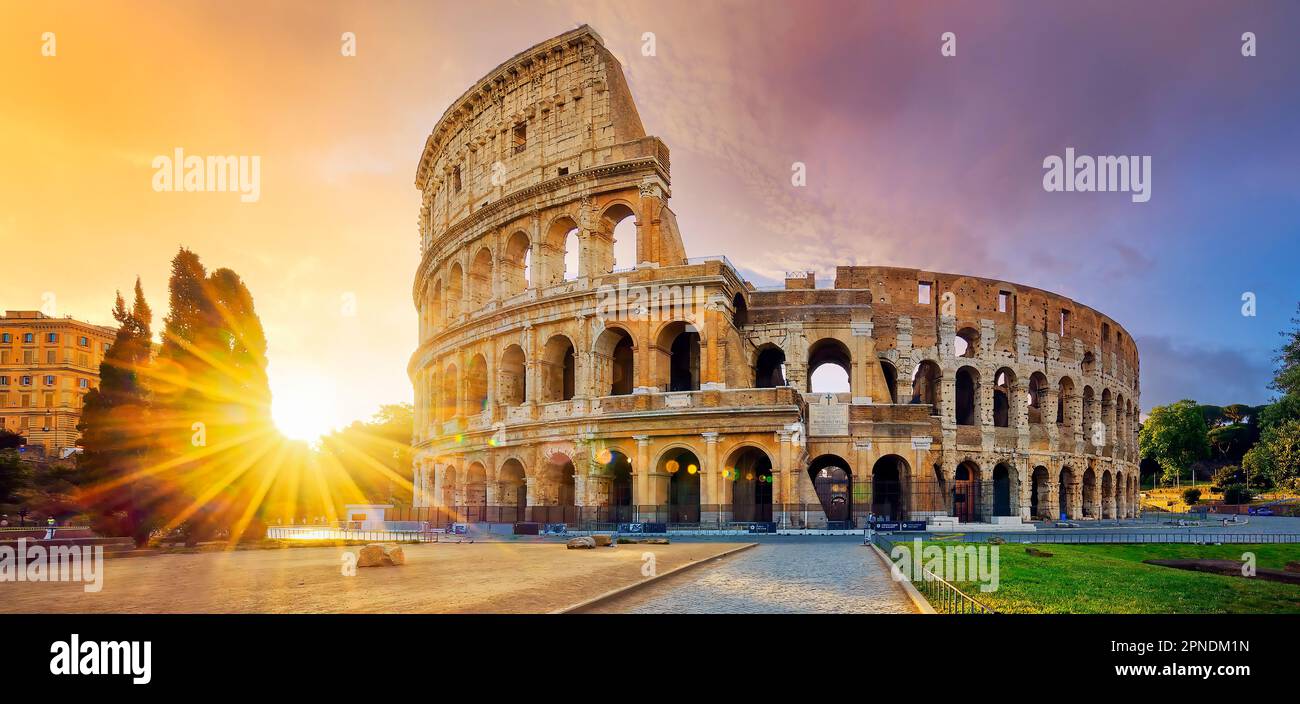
(558, 383)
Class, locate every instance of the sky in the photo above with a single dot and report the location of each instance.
(913, 158)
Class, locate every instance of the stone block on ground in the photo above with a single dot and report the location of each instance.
(375, 555)
(581, 543)
(603, 540)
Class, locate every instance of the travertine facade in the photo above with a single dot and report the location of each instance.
(675, 385)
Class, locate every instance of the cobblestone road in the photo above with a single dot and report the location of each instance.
(793, 577)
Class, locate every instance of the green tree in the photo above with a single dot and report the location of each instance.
(376, 455)
(115, 488)
(1277, 455)
(1175, 437)
(15, 478)
(1287, 377)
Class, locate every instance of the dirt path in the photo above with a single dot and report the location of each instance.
(438, 578)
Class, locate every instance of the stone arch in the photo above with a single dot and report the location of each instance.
(769, 366)
(512, 490)
(890, 488)
(1003, 482)
(1107, 494)
(890, 373)
(682, 467)
(475, 492)
(618, 238)
(449, 406)
(1089, 413)
(433, 310)
(556, 487)
(615, 468)
(748, 482)
(966, 343)
(559, 369)
(476, 385)
(562, 250)
(926, 381)
(1067, 493)
(1121, 498)
(832, 479)
(517, 264)
(1040, 493)
(480, 279)
(1037, 398)
(1065, 408)
(455, 291)
(966, 395)
(677, 355)
(829, 351)
(1004, 381)
(1107, 418)
(1091, 501)
(614, 360)
(739, 311)
(964, 492)
(513, 377)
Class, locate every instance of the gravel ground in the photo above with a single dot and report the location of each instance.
(805, 576)
(443, 578)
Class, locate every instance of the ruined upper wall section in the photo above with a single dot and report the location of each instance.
(558, 108)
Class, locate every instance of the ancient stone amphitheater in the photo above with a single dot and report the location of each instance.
(669, 389)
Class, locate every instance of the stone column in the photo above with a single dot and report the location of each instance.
(641, 471)
(709, 494)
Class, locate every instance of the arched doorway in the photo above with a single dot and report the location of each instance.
(679, 347)
(1038, 494)
(833, 481)
(559, 370)
(966, 492)
(829, 363)
(512, 492)
(1065, 492)
(966, 386)
(749, 470)
(887, 488)
(557, 494)
(614, 362)
(1090, 507)
(1107, 495)
(618, 468)
(890, 373)
(476, 494)
(683, 470)
(1002, 490)
(769, 367)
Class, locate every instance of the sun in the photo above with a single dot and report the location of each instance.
(303, 408)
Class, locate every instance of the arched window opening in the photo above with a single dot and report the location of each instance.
(1089, 363)
(889, 489)
(679, 350)
(477, 392)
(740, 311)
(1002, 490)
(615, 363)
(890, 372)
(480, 275)
(449, 405)
(1064, 395)
(966, 388)
(966, 343)
(925, 384)
(558, 370)
(620, 222)
(455, 291)
(1039, 505)
(769, 369)
(683, 470)
(512, 492)
(749, 470)
(517, 265)
(966, 492)
(514, 377)
(572, 255)
(832, 479)
(829, 363)
(1002, 398)
(618, 468)
(1037, 396)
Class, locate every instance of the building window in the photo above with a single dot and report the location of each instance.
(25, 381)
(104, 347)
(1065, 322)
(6, 338)
(28, 338)
(455, 180)
(4, 381)
(52, 338)
(1003, 298)
(83, 341)
(923, 292)
(563, 171)
(50, 357)
(49, 380)
(83, 383)
(520, 141)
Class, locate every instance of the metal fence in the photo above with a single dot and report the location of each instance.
(1125, 537)
(945, 597)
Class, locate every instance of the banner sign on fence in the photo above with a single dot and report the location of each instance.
(643, 527)
(898, 525)
(913, 525)
(768, 527)
(555, 529)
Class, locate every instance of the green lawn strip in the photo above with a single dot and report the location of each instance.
(1113, 579)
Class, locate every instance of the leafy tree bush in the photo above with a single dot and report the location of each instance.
(1175, 437)
(1236, 494)
(1191, 496)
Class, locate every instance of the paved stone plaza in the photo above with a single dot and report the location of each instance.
(809, 575)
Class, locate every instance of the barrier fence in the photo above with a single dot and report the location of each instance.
(943, 595)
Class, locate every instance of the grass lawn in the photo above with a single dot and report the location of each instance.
(1112, 579)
